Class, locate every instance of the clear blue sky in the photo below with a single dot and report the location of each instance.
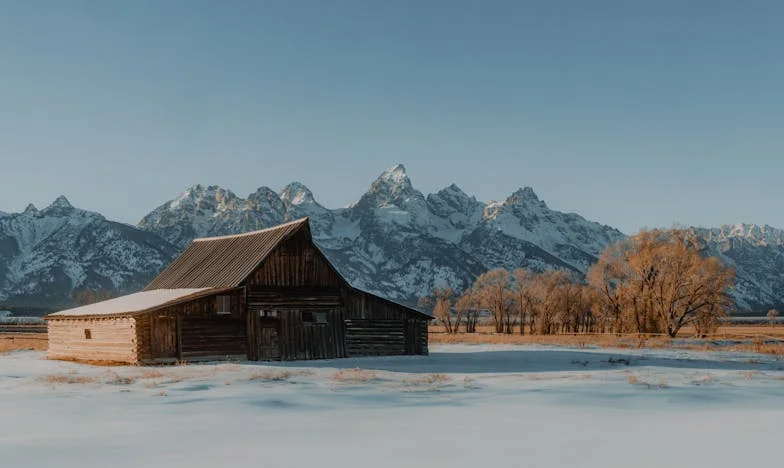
(632, 113)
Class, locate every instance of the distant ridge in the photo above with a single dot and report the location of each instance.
(394, 241)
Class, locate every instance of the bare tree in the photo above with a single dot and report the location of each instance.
(772, 316)
(658, 281)
(494, 295)
(524, 296)
(467, 305)
(441, 302)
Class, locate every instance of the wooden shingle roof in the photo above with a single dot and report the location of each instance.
(224, 262)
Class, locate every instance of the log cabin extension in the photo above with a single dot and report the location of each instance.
(264, 295)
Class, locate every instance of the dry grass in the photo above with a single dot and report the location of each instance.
(114, 378)
(432, 381)
(356, 375)
(761, 339)
(23, 342)
(634, 379)
(70, 379)
(151, 374)
(273, 375)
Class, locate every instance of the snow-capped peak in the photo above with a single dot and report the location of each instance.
(297, 193)
(61, 202)
(392, 184)
(395, 174)
(525, 196)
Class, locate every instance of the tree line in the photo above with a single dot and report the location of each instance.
(654, 282)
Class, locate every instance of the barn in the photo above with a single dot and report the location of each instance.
(265, 295)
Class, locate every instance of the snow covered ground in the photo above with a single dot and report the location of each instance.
(464, 405)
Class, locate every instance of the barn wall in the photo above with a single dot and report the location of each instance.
(194, 330)
(288, 332)
(111, 339)
(378, 327)
(295, 263)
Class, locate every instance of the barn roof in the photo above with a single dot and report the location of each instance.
(143, 301)
(224, 261)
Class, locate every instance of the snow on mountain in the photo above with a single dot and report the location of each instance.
(393, 240)
(757, 254)
(212, 211)
(45, 255)
(396, 241)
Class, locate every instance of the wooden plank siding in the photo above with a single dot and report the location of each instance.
(296, 263)
(100, 339)
(195, 330)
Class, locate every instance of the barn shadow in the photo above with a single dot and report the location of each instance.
(522, 361)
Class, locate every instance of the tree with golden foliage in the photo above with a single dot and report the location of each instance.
(441, 302)
(524, 296)
(468, 306)
(657, 281)
(494, 295)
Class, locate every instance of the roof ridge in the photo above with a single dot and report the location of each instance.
(251, 233)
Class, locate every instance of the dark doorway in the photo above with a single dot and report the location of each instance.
(269, 332)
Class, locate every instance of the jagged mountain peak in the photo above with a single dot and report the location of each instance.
(60, 202)
(392, 183)
(454, 191)
(453, 199)
(761, 235)
(296, 193)
(265, 194)
(396, 174)
(210, 197)
(525, 196)
(30, 209)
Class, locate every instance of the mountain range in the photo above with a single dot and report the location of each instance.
(394, 241)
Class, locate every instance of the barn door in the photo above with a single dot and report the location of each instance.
(269, 331)
(163, 339)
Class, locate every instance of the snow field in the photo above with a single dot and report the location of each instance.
(462, 406)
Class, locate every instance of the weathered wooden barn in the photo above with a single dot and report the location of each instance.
(264, 295)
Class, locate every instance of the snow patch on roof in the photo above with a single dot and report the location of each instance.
(131, 303)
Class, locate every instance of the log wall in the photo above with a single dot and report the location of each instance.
(195, 331)
(110, 339)
(374, 337)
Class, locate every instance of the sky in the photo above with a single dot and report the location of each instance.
(631, 113)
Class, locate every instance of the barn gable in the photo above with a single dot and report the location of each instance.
(225, 261)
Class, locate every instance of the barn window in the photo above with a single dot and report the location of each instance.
(223, 305)
(88, 335)
(269, 313)
(314, 318)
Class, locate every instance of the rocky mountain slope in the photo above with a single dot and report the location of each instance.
(394, 241)
(757, 254)
(46, 255)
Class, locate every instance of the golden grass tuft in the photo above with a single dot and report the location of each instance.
(272, 375)
(356, 375)
(151, 374)
(70, 379)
